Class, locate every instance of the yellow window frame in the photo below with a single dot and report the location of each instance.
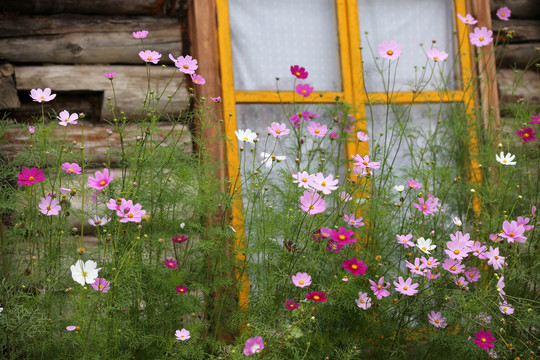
(353, 92)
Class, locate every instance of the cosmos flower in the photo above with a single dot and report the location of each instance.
(101, 284)
(436, 55)
(186, 64)
(84, 272)
(436, 319)
(301, 279)
(363, 301)
(30, 176)
(481, 36)
(304, 89)
(505, 159)
(504, 13)
(39, 95)
(150, 56)
(467, 19)
(299, 72)
(101, 179)
(66, 118)
(389, 50)
(253, 345)
(182, 335)
(140, 34)
(246, 136)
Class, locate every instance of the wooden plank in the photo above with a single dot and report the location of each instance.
(519, 56)
(522, 30)
(81, 39)
(101, 7)
(521, 9)
(129, 84)
(8, 92)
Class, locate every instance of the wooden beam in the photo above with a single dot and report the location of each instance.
(8, 92)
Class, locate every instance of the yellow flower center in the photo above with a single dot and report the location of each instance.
(354, 266)
(84, 274)
(278, 131)
(429, 262)
(301, 282)
(424, 207)
(504, 161)
(502, 14)
(496, 257)
(48, 208)
(481, 38)
(323, 183)
(405, 288)
(424, 248)
(316, 131)
(149, 58)
(505, 309)
(416, 268)
(304, 180)
(71, 170)
(42, 97)
(362, 301)
(436, 321)
(435, 58)
(484, 339)
(316, 297)
(378, 287)
(102, 182)
(341, 237)
(526, 135)
(456, 251)
(186, 66)
(130, 215)
(453, 268)
(511, 234)
(77, 327)
(365, 163)
(245, 138)
(390, 52)
(298, 73)
(100, 287)
(31, 178)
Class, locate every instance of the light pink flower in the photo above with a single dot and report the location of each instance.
(312, 203)
(278, 130)
(150, 56)
(453, 266)
(316, 129)
(65, 118)
(140, 34)
(31, 129)
(73, 327)
(478, 250)
(253, 345)
(389, 50)
(468, 19)
(413, 184)
(301, 279)
(436, 54)
(430, 263)
(72, 168)
(431, 276)
(461, 281)
(505, 308)
(304, 89)
(504, 13)
(363, 301)
(417, 267)
(523, 222)
(198, 79)
(303, 179)
(363, 162)
(345, 196)
(182, 335)
(101, 179)
(429, 206)
(512, 231)
(216, 99)
(458, 248)
(405, 240)
(494, 259)
(128, 212)
(361, 136)
(49, 206)
(102, 285)
(472, 274)
(500, 286)
(42, 95)
(379, 288)
(351, 220)
(186, 64)
(481, 36)
(406, 287)
(436, 319)
(97, 221)
(324, 184)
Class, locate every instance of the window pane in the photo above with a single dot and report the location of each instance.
(409, 23)
(269, 36)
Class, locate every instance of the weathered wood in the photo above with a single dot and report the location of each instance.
(516, 84)
(103, 7)
(80, 39)
(8, 92)
(521, 9)
(129, 84)
(518, 55)
(522, 30)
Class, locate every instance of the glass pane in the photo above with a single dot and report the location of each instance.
(269, 36)
(409, 23)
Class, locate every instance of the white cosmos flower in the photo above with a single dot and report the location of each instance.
(425, 245)
(506, 159)
(399, 188)
(84, 272)
(246, 135)
(457, 221)
(268, 158)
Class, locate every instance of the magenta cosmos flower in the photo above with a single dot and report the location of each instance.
(301, 279)
(379, 288)
(312, 203)
(342, 236)
(513, 231)
(406, 287)
(110, 75)
(481, 36)
(278, 130)
(504, 13)
(181, 289)
(535, 119)
(66, 118)
(150, 56)
(30, 176)
(526, 134)
(170, 263)
(299, 72)
(389, 50)
(198, 79)
(101, 284)
(130, 212)
(355, 267)
(436, 319)
(140, 34)
(436, 55)
(429, 206)
(317, 129)
(291, 305)
(467, 19)
(179, 239)
(42, 95)
(484, 339)
(304, 89)
(101, 179)
(253, 345)
(186, 64)
(49, 206)
(72, 168)
(182, 335)
(316, 296)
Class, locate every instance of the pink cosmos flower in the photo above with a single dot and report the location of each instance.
(361, 136)
(405, 240)
(110, 75)
(355, 267)
(31, 129)
(363, 301)
(351, 220)
(179, 239)
(481, 36)
(295, 119)
(417, 267)
(535, 119)
(472, 274)
(484, 339)
(436, 319)
(526, 134)
(198, 79)
(406, 287)
(345, 196)
(457, 249)
(186, 64)
(494, 258)
(523, 222)
(30, 176)
(504, 13)
(379, 288)
(512, 231)
(413, 184)
(430, 263)
(299, 72)
(303, 179)
(72, 168)
(309, 115)
(494, 237)
(182, 335)
(453, 266)
(431, 276)
(216, 99)
(429, 206)
(468, 19)
(101, 179)
(333, 135)
(324, 184)
(334, 246)
(316, 129)
(342, 236)
(505, 308)
(73, 327)
(130, 213)
(39, 95)
(115, 204)
(478, 250)
(436, 55)
(278, 130)
(304, 89)
(317, 296)
(65, 118)
(181, 289)
(301, 279)
(253, 345)
(101, 284)
(363, 162)
(97, 221)
(291, 305)
(461, 281)
(312, 203)
(170, 263)
(150, 56)
(500, 286)
(140, 34)
(109, 131)
(389, 50)
(49, 206)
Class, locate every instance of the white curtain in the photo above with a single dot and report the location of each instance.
(268, 36)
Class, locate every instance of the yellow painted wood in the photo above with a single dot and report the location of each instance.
(410, 97)
(260, 97)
